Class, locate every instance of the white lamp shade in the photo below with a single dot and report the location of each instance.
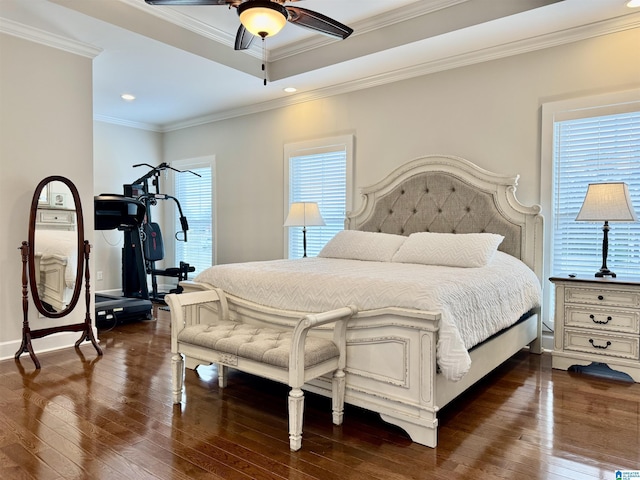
(303, 214)
(264, 19)
(607, 202)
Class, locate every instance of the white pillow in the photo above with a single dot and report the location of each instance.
(357, 245)
(449, 249)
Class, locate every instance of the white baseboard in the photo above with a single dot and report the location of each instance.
(114, 292)
(547, 341)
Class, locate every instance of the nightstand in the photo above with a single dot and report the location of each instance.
(597, 320)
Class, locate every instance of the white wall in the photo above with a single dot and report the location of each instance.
(116, 150)
(488, 113)
(46, 122)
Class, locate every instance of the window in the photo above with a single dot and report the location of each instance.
(195, 194)
(318, 171)
(593, 140)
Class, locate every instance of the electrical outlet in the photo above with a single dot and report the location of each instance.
(99, 275)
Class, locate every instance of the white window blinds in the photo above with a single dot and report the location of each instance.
(594, 150)
(195, 196)
(320, 178)
(318, 171)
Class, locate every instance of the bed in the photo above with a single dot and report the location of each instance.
(406, 357)
(56, 259)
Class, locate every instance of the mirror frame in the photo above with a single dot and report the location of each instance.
(81, 248)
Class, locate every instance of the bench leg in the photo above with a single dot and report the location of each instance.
(296, 409)
(222, 375)
(177, 370)
(337, 396)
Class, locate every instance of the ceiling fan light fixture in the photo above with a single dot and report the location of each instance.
(262, 17)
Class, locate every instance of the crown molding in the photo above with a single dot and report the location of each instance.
(36, 35)
(541, 42)
(185, 21)
(127, 123)
(362, 27)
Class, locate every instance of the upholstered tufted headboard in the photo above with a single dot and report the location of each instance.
(447, 194)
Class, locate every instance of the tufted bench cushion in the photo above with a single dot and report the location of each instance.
(262, 344)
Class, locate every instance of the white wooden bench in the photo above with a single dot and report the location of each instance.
(285, 355)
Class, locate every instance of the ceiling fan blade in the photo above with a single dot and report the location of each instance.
(189, 2)
(243, 38)
(317, 21)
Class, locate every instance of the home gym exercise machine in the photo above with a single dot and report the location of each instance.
(143, 245)
(151, 234)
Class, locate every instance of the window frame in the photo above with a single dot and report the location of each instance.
(318, 146)
(190, 164)
(558, 111)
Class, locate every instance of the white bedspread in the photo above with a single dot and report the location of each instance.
(475, 303)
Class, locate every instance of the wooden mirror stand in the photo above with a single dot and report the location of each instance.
(34, 273)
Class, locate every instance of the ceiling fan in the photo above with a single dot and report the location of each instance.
(263, 18)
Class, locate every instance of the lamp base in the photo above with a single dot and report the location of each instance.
(605, 272)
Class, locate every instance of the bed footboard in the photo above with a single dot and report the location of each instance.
(391, 365)
(390, 361)
(52, 286)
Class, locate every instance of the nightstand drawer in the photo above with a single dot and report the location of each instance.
(602, 344)
(608, 319)
(594, 296)
(56, 216)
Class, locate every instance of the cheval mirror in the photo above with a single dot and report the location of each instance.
(54, 259)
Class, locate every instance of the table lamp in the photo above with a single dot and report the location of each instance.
(304, 214)
(607, 202)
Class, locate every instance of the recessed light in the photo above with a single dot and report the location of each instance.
(633, 3)
(128, 97)
(290, 90)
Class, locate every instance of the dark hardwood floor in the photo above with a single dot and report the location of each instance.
(88, 417)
